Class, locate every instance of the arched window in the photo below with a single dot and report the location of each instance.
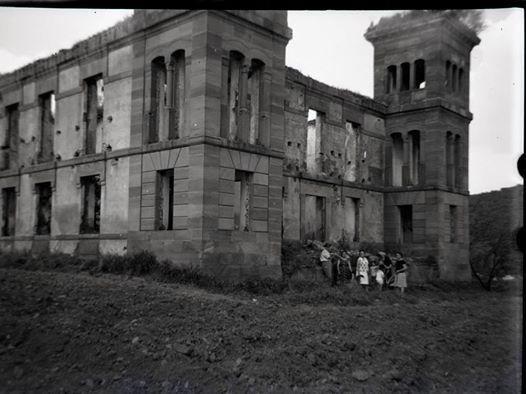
(158, 98)
(454, 78)
(460, 79)
(234, 81)
(391, 79)
(414, 158)
(457, 162)
(405, 68)
(397, 158)
(448, 75)
(450, 160)
(420, 74)
(176, 93)
(255, 79)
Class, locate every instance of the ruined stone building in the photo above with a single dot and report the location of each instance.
(184, 133)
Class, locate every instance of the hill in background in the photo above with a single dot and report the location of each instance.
(495, 217)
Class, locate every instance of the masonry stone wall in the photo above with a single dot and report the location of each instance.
(327, 177)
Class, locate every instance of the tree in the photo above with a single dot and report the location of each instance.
(495, 218)
(488, 261)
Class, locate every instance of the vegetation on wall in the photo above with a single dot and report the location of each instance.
(473, 19)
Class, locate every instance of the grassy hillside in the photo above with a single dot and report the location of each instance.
(494, 219)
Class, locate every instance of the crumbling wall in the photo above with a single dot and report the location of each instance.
(348, 167)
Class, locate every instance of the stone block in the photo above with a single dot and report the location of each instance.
(226, 186)
(181, 210)
(182, 158)
(181, 173)
(180, 222)
(259, 214)
(227, 173)
(225, 224)
(259, 225)
(260, 179)
(244, 161)
(260, 202)
(147, 224)
(226, 199)
(225, 159)
(262, 165)
(148, 212)
(148, 188)
(148, 200)
(226, 211)
(260, 190)
(180, 198)
(181, 185)
(149, 176)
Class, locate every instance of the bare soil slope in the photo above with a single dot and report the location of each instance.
(80, 333)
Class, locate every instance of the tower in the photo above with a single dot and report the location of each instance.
(207, 111)
(421, 72)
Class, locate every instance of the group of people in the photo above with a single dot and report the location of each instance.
(346, 267)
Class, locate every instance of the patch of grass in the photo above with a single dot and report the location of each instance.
(296, 291)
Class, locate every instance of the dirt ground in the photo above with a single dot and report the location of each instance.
(64, 332)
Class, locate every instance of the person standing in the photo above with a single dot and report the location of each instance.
(362, 269)
(389, 274)
(401, 273)
(345, 270)
(325, 261)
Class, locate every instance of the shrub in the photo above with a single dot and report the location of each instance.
(142, 263)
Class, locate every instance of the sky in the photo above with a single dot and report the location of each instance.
(329, 46)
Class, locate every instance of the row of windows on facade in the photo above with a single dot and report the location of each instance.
(405, 220)
(90, 207)
(314, 218)
(413, 76)
(453, 150)
(454, 77)
(91, 204)
(243, 96)
(406, 76)
(317, 161)
(92, 118)
(164, 200)
(412, 147)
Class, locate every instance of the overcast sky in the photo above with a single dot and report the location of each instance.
(329, 46)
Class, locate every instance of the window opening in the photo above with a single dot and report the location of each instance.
(10, 145)
(8, 211)
(43, 191)
(234, 82)
(91, 191)
(47, 122)
(165, 199)
(391, 79)
(453, 223)
(405, 68)
(254, 97)
(406, 223)
(420, 74)
(158, 99)
(397, 158)
(242, 200)
(94, 111)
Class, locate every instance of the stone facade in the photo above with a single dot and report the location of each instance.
(184, 133)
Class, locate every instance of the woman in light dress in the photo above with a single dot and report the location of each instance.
(362, 270)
